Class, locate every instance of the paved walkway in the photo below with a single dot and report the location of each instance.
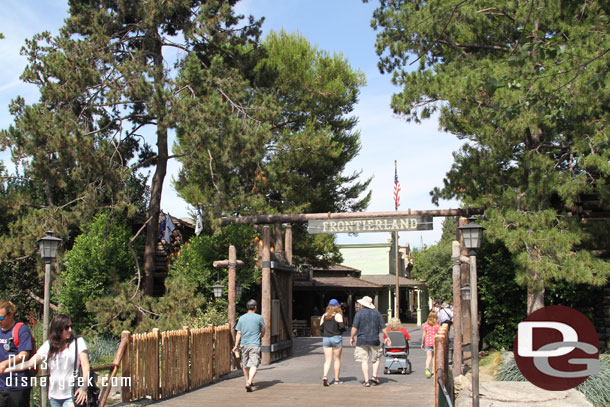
(297, 381)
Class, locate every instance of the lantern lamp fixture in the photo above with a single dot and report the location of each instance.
(472, 234)
(217, 289)
(48, 246)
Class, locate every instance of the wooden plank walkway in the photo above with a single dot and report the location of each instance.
(297, 382)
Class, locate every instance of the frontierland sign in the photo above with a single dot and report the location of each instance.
(360, 225)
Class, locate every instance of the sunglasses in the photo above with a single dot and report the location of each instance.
(4, 316)
(67, 327)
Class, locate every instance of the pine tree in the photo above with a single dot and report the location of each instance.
(526, 85)
(107, 79)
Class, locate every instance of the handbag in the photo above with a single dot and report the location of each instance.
(93, 392)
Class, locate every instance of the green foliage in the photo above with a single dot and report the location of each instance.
(99, 259)
(288, 149)
(526, 88)
(189, 299)
(102, 348)
(17, 277)
(433, 265)
(500, 297)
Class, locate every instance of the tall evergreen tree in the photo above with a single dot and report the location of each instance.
(110, 72)
(288, 150)
(526, 85)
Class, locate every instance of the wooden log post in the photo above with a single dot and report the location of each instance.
(232, 265)
(266, 296)
(457, 310)
(126, 367)
(288, 251)
(465, 305)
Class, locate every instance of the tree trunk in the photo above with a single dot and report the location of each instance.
(154, 208)
(535, 294)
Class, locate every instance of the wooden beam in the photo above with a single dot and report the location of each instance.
(304, 217)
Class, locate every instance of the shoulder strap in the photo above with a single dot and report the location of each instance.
(16, 329)
(75, 354)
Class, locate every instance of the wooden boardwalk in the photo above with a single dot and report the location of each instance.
(297, 382)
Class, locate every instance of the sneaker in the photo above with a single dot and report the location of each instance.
(325, 382)
(337, 381)
(428, 373)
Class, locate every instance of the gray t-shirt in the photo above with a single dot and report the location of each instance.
(369, 323)
(250, 326)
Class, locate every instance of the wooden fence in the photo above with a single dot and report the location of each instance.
(164, 364)
(441, 368)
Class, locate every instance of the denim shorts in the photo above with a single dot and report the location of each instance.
(429, 348)
(62, 402)
(332, 341)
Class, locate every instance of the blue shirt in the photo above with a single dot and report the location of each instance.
(15, 380)
(369, 323)
(250, 326)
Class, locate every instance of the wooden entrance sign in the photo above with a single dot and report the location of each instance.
(361, 225)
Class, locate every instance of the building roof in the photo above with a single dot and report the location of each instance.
(337, 282)
(336, 267)
(390, 280)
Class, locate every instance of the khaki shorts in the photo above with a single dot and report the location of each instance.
(250, 356)
(366, 353)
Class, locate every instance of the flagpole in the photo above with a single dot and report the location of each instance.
(396, 204)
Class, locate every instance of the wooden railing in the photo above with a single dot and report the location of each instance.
(441, 367)
(159, 365)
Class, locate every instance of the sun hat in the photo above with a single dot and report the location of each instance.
(445, 305)
(366, 301)
(333, 303)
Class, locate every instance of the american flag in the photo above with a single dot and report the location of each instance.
(396, 188)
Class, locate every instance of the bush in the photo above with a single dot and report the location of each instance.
(99, 259)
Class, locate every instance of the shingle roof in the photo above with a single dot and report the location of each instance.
(337, 282)
(390, 280)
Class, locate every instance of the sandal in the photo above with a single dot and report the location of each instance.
(366, 384)
(375, 380)
(248, 387)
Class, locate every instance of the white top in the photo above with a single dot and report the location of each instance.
(61, 368)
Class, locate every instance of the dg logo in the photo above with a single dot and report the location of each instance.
(557, 348)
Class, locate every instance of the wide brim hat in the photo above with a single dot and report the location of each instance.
(366, 301)
(445, 305)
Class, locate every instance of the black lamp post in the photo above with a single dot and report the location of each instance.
(48, 251)
(472, 234)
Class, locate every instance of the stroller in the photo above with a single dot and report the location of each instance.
(398, 359)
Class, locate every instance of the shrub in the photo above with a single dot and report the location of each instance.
(99, 259)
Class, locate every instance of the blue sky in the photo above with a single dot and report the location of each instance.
(422, 151)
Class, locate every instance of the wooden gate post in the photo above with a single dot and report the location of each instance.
(232, 264)
(465, 312)
(266, 296)
(126, 367)
(457, 310)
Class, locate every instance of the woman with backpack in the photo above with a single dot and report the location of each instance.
(59, 353)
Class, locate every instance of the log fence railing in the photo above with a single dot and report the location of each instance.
(442, 384)
(158, 365)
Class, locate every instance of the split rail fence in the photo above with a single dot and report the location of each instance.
(164, 364)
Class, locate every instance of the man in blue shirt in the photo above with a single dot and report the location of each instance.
(15, 387)
(250, 328)
(367, 325)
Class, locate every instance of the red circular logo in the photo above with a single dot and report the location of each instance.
(557, 348)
